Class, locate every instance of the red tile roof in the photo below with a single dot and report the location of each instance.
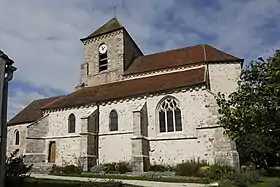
(129, 88)
(32, 112)
(179, 57)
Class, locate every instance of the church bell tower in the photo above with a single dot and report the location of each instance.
(108, 52)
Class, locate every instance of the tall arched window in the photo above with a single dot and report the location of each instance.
(71, 123)
(169, 113)
(113, 121)
(16, 137)
(103, 57)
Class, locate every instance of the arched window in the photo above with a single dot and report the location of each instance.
(71, 123)
(169, 113)
(113, 121)
(16, 137)
(103, 57)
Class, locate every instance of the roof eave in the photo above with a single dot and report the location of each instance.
(20, 123)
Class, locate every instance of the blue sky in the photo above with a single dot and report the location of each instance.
(42, 37)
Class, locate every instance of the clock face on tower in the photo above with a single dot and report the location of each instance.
(103, 49)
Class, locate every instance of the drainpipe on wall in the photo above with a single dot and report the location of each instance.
(6, 74)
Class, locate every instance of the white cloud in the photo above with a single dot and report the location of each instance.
(20, 100)
(42, 37)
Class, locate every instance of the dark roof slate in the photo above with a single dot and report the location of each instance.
(111, 25)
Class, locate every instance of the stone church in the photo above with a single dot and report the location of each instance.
(144, 109)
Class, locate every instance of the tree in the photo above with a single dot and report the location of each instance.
(251, 114)
(16, 170)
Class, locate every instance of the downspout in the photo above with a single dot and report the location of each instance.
(7, 76)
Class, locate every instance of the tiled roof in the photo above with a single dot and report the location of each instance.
(32, 112)
(178, 57)
(129, 88)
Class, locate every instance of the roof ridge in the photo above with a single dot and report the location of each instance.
(111, 25)
(170, 50)
(204, 52)
(48, 98)
(221, 51)
(54, 101)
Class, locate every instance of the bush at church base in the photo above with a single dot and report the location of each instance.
(116, 168)
(70, 169)
(189, 168)
(16, 170)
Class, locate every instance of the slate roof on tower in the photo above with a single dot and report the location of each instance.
(110, 26)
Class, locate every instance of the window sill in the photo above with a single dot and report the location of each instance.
(163, 138)
(172, 136)
(115, 133)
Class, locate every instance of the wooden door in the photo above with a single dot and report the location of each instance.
(52, 149)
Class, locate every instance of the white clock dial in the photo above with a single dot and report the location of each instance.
(103, 48)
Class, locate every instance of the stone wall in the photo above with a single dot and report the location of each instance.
(196, 140)
(11, 138)
(35, 142)
(115, 43)
(67, 144)
(223, 77)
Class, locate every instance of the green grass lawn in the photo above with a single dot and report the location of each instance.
(267, 182)
(175, 179)
(32, 182)
(264, 182)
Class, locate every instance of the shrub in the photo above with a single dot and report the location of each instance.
(123, 167)
(189, 168)
(70, 169)
(108, 183)
(117, 168)
(98, 169)
(217, 172)
(110, 167)
(246, 177)
(156, 174)
(16, 170)
(161, 168)
(56, 170)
